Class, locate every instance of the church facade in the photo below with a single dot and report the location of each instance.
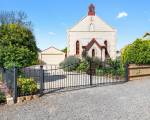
(92, 37)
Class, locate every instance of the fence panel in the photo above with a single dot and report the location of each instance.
(51, 78)
(8, 79)
(106, 74)
(138, 72)
(28, 81)
(57, 78)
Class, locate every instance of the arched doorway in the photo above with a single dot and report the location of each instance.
(93, 52)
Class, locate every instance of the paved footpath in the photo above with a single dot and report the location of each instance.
(128, 101)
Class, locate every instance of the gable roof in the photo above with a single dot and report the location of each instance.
(90, 44)
(99, 24)
(52, 50)
(146, 34)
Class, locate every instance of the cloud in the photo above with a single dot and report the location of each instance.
(122, 14)
(52, 33)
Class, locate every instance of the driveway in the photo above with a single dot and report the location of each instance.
(128, 101)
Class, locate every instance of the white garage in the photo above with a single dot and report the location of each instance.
(52, 56)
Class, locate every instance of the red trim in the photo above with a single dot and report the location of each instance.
(90, 44)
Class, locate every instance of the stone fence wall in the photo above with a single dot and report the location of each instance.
(138, 72)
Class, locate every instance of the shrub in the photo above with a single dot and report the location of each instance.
(2, 98)
(83, 66)
(27, 86)
(70, 63)
(115, 64)
(104, 71)
(94, 60)
(114, 68)
(136, 53)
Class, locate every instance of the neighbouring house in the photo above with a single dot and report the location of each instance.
(93, 37)
(146, 36)
(118, 54)
(51, 55)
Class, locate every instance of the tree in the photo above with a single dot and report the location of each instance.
(64, 50)
(17, 46)
(137, 53)
(14, 17)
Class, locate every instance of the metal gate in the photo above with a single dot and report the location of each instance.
(52, 78)
(56, 78)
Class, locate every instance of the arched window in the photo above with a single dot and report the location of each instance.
(91, 27)
(77, 48)
(106, 45)
(93, 52)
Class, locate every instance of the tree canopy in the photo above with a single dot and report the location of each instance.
(14, 17)
(17, 46)
(137, 53)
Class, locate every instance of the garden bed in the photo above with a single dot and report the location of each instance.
(2, 98)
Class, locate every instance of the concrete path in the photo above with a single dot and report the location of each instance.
(128, 101)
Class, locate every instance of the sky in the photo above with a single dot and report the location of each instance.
(52, 18)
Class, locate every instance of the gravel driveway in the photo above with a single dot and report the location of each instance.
(128, 101)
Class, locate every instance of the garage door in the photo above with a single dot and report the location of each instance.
(52, 59)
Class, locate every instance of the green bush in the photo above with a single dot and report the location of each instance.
(95, 61)
(2, 98)
(104, 71)
(70, 63)
(83, 66)
(137, 53)
(17, 46)
(27, 86)
(114, 68)
(115, 64)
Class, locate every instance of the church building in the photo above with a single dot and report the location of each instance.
(92, 37)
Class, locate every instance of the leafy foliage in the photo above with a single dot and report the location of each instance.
(2, 98)
(27, 86)
(97, 62)
(64, 50)
(83, 66)
(17, 46)
(113, 68)
(70, 63)
(137, 53)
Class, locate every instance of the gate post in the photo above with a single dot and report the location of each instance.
(127, 72)
(15, 85)
(90, 72)
(41, 79)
